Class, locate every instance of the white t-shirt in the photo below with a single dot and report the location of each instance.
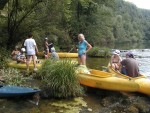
(30, 46)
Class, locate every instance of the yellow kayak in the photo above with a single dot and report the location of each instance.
(142, 81)
(62, 54)
(14, 64)
(105, 80)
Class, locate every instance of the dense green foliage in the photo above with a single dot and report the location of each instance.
(99, 52)
(59, 79)
(4, 56)
(102, 21)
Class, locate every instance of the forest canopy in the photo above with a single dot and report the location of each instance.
(101, 21)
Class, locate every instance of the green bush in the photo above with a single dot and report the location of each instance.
(12, 76)
(4, 55)
(99, 52)
(59, 79)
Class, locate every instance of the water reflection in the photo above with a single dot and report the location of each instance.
(97, 63)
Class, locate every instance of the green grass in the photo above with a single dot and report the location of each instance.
(4, 56)
(12, 76)
(59, 79)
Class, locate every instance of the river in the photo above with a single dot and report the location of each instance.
(88, 103)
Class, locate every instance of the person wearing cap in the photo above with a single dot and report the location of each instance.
(46, 48)
(54, 54)
(130, 66)
(31, 50)
(21, 58)
(115, 60)
(15, 52)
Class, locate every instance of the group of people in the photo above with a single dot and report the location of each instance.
(30, 48)
(49, 48)
(19, 54)
(128, 66)
(24, 55)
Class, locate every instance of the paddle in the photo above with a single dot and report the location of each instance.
(71, 49)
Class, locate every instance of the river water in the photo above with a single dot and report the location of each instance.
(88, 103)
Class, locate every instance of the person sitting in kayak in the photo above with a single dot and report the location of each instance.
(130, 66)
(115, 60)
(54, 54)
(21, 56)
(15, 52)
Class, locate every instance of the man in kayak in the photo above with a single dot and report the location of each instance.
(130, 66)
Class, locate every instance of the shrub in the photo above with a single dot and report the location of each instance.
(4, 55)
(59, 79)
(99, 52)
(12, 76)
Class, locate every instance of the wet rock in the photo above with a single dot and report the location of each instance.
(132, 109)
(143, 104)
(120, 103)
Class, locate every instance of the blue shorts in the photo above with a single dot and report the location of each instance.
(124, 71)
(79, 56)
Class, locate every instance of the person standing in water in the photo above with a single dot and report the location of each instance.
(46, 48)
(83, 48)
(31, 49)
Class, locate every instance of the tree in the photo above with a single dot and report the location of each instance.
(18, 11)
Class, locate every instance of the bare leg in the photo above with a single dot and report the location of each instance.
(28, 61)
(79, 60)
(34, 61)
(83, 59)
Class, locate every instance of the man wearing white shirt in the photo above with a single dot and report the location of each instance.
(31, 49)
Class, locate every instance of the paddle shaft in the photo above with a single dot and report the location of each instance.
(71, 49)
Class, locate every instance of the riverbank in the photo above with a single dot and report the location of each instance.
(93, 101)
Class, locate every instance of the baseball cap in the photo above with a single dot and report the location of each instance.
(130, 54)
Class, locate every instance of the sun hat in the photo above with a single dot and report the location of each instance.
(23, 49)
(116, 52)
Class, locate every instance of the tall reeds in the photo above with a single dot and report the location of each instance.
(59, 79)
